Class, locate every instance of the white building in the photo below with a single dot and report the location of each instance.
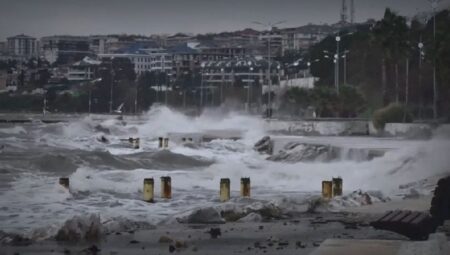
(83, 70)
(22, 46)
(145, 60)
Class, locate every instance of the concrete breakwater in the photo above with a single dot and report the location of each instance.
(351, 128)
(319, 128)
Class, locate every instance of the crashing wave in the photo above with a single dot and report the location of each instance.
(305, 152)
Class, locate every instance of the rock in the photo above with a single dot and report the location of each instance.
(180, 244)
(252, 217)
(207, 215)
(172, 248)
(93, 249)
(299, 244)
(215, 232)
(265, 145)
(301, 152)
(165, 239)
(134, 241)
(80, 228)
(231, 215)
(440, 204)
(100, 128)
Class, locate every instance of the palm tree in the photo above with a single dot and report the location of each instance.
(391, 35)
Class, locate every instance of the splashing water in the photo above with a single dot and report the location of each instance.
(106, 179)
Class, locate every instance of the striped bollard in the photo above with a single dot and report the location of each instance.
(224, 189)
(148, 190)
(327, 187)
(166, 187)
(245, 187)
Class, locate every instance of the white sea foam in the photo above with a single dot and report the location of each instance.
(35, 201)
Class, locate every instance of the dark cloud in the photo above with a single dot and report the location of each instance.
(83, 17)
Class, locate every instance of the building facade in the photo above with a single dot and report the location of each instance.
(145, 60)
(22, 46)
(65, 49)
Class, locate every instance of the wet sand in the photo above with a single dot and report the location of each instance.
(291, 236)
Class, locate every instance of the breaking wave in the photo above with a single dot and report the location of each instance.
(110, 175)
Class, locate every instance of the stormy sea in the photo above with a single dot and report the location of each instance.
(106, 174)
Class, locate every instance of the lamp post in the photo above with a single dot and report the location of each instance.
(202, 65)
(434, 5)
(222, 70)
(345, 66)
(338, 39)
(44, 107)
(269, 25)
(420, 45)
(90, 92)
(249, 86)
(111, 87)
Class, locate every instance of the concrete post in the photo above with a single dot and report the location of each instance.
(160, 139)
(136, 143)
(166, 187)
(148, 190)
(337, 186)
(245, 187)
(64, 181)
(224, 190)
(166, 143)
(327, 189)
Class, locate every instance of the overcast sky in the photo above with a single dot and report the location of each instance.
(83, 17)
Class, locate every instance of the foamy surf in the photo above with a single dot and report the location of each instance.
(106, 178)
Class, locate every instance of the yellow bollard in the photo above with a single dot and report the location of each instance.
(166, 187)
(337, 186)
(148, 190)
(245, 187)
(160, 139)
(327, 189)
(166, 142)
(224, 190)
(64, 181)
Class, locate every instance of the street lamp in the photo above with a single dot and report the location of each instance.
(44, 107)
(420, 45)
(222, 70)
(336, 82)
(345, 66)
(434, 5)
(269, 25)
(249, 86)
(90, 92)
(202, 65)
(111, 87)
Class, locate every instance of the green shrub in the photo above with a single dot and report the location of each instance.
(393, 113)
